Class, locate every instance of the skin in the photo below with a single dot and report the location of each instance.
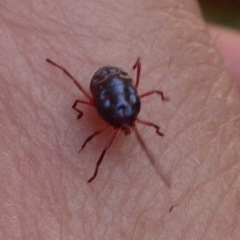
(44, 194)
(227, 41)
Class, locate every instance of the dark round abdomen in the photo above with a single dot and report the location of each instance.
(115, 97)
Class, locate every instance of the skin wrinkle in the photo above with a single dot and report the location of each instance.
(210, 221)
(191, 193)
(208, 224)
(197, 215)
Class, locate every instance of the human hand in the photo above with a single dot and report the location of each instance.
(44, 194)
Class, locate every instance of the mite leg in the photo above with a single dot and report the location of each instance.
(109, 143)
(80, 113)
(154, 92)
(70, 76)
(151, 125)
(137, 66)
(151, 158)
(91, 137)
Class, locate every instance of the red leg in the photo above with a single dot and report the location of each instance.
(151, 125)
(154, 92)
(137, 66)
(109, 143)
(69, 75)
(91, 137)
(80, 113)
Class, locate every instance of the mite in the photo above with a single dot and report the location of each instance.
(115, 97)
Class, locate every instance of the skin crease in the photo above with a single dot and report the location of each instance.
(44, 194)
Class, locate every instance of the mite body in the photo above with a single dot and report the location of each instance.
(116, 99)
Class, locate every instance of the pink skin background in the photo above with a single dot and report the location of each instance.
(44, 194)
(227, 41)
